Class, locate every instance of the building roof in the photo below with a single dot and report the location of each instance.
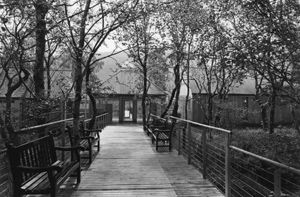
(128, 81)
(247, 87)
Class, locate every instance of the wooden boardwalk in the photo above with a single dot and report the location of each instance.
(128, 165)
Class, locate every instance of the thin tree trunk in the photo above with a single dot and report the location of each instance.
(144, 96)
(188, 81)
(296, 124)
(169, 103)
(41, 8)
(272, 112)
(92, 99)
(78, 79)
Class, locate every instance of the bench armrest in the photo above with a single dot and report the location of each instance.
(72, 148)
(157, 127)
(87, 138)
(92, 130)
(54, 167)
(162, 130)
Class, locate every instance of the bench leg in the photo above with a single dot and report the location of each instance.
(78, 174)
(98, 145)
(54, 191)
(90, 153)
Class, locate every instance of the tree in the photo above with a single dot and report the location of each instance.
(16, 47)
(143, 43)
(271, 48)
(175, 34)
(216, 68)
(88, 29)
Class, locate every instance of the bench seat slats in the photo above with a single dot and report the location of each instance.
(34, 182)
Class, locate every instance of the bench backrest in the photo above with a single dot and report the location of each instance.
(69, 130)
(37, 153)
(160, 122)
(81, 128)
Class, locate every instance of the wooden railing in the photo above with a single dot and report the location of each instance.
(101, 121)
(210, 150)
(27, 134)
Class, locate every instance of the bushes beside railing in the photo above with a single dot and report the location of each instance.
(234, 171)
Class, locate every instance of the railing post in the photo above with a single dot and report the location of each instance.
(63, 133)
(277, 183)
(227, 166)
(103, 122)
(179, 141)
(189, 143)
(204, 155)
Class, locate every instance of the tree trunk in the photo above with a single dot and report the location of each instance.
(272, 112)
(92, 99)
(296, 124)
(210, 110)
(177, 83)
(169, 103)
(264, 119)
(78, 79)
(41, 9)
(144, 96)
(188, 82)
(76, 109)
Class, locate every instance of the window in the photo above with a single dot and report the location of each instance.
(245, 108)
(245, 102)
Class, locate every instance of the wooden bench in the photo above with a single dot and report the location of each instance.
(161, 133)
(88, 139)
(36, 169)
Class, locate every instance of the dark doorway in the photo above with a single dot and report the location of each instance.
(128, 110)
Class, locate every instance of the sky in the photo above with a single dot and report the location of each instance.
(110, 46)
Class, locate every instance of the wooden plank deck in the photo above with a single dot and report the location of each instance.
(128, 165)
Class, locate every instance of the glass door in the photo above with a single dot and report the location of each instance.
(128, 110)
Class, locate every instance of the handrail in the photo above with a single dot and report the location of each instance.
(202, 125)
(275, 163)
(228, 148)
(86, 120)
(157, 117)
(44, 125)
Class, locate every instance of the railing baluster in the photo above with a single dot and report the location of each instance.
(179, 140)
(277, 183)
(204, 156)
(189, 143)
(227, 166)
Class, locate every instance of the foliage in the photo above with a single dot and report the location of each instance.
(230, 116)
(282, 146)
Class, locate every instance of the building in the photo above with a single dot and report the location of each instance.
(241, 96)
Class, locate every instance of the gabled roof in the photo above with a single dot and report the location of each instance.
(247, 87)
(128, 81)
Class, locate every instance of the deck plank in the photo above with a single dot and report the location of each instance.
(128, 165)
